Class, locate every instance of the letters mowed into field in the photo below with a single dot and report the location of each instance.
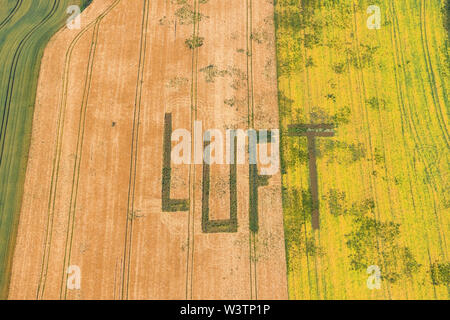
(25, 29)
(383, 178)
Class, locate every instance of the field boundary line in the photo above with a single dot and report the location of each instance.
(253, 236)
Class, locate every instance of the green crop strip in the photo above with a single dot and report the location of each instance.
(25, 29)
(382, 183)
(255, 181)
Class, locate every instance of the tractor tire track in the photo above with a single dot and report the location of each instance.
(253, 236)
(365, 113)
(430, 73)
(12, 79)
(192, 171)
(134, 156)
(11, 14)
(404, 124)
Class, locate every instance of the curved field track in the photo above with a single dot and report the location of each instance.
(94, 181)
(25, 29)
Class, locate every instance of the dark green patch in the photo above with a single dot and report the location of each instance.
(194, 42)
(255, 181)
(168, 204)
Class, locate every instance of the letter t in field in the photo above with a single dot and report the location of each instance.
(311, 131)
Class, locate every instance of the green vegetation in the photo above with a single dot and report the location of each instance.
(85, 4)
(377, 243)
(7, 11)
(440, 274)
(186, 15)
(194, 42)
(25, 29)
(255, 181)
(446, 13)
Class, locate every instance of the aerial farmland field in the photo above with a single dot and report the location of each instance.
(226, 150)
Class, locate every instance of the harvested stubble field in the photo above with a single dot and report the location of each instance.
(88, 181)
